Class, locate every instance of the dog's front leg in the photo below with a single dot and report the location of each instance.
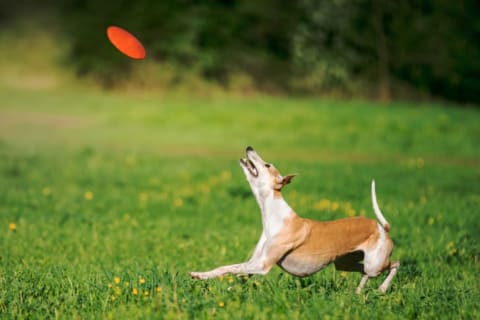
(250, 267)
(263, 259)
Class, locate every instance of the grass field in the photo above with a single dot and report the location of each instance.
(108, 200)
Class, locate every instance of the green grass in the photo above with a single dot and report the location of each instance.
(141, 189)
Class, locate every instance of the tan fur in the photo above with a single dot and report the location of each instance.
(320, 243)
(277, 194)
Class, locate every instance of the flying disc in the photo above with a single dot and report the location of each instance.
(126, 42)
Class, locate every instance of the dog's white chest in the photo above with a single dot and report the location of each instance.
(274, 214)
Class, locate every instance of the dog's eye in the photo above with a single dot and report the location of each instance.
(268, 165)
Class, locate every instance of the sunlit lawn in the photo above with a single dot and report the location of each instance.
(107, 200)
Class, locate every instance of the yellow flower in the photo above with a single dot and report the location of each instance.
(226, 175)
(143, 196)
(221, 304)
(12, 226)
(416, 163)
(159, 289)
(335, 206)
(134, 291)
(88, 195)
(420, 163)
(116, 280)
(146, 293)
(350, 212)
(46, 191)
(423, 199)
(187, 191)
(204, 188)
(451, 248)
(323, 204)
(178, 202)
(141, 281)
(130, 160)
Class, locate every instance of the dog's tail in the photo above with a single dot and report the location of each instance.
(378, 213)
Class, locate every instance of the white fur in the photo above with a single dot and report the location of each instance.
(377, 210)
(274, 213)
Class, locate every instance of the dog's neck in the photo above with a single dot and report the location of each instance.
(274, 211)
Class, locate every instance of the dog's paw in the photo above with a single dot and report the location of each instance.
(196, 275)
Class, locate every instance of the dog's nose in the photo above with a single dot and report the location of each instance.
(249, 149)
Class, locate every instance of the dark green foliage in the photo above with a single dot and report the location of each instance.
(210, 37)
(377, 48)
(431, 45)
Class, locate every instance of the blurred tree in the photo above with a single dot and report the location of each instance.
(430, 44)
(312, 46)
(437, 47)
(214, 38)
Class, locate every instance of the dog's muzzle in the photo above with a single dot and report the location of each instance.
(247, 163)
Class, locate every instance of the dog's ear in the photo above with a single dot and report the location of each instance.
(284, 181)
(288, 178)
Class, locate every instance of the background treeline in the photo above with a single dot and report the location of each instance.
(379, 48)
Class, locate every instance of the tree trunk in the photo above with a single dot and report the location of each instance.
(383, 65)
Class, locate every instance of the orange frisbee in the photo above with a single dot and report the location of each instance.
(126, 42)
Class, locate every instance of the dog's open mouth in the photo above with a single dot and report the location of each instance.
(247, 163)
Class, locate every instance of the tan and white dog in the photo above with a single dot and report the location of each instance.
(302, 246)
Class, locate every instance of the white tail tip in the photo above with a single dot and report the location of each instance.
(377, 211)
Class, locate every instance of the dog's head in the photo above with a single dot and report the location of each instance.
(263, 177)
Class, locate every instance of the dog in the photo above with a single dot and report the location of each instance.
(302, 246)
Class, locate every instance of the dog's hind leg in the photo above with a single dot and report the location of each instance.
(362, 283)
(393, 271)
